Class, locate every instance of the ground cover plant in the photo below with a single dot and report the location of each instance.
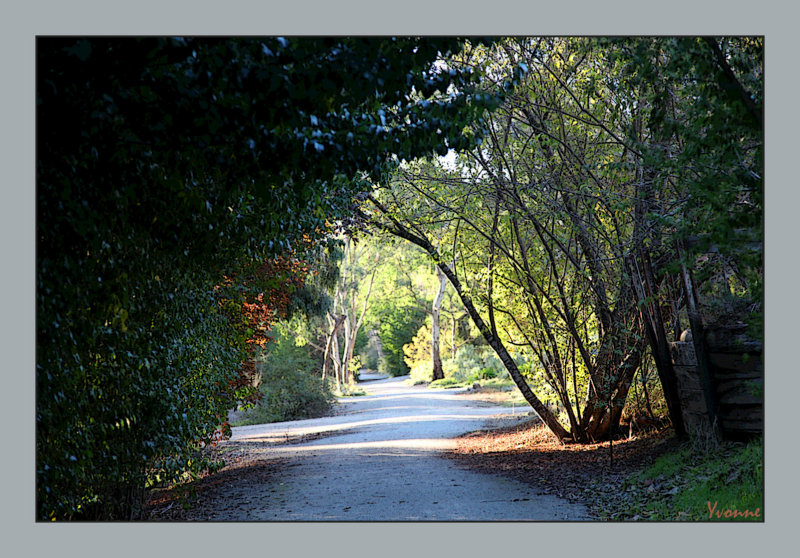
(725, 483)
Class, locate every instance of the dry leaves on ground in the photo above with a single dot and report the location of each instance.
(245, 469)
(578, 472)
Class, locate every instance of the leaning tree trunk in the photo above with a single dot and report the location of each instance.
(547, 417)
(699, 341)
(653, 325)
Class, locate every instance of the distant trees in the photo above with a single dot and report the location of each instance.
(411, 300)
(351, 299)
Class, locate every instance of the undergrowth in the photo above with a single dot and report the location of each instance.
(722, 484)
(290, 387)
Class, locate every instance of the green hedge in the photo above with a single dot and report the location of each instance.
(164, 165)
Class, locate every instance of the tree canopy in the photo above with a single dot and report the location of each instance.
(169, 171)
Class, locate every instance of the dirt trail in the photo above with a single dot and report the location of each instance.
(378, 459)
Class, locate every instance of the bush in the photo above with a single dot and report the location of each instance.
(349, 389)
(397, 328)
(472, 364)
(290, 386)
(127, 404)
(483, 374)
(354, 367)
(421, 373)
(418, 351)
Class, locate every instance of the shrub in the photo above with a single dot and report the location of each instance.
(421, 373)
(354, 367)
(418, 351)
(129, 403)
(349, 389)
(483, 374)
(290, 386)
(397, 328)
(473, 363)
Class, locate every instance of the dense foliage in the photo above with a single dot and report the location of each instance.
(702, 148)
(167, 167)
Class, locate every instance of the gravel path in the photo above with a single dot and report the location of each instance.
(379, 460)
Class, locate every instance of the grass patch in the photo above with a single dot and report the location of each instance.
(349, 390)
(723, 484)
(451, 382)
(494, 391)
(500, 383)
(447, 383)
(415, 382)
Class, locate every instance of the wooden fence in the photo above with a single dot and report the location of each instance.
(737, 379)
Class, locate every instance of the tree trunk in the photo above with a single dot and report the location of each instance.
(699, 341)
(346, 297)
(337, 362)
(336, 324)
(438, 372)
(346, 350)
(653, 325)
(619, 357)
(331, 346)
(602, 414)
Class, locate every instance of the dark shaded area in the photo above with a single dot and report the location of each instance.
(577, 472)
(235, 485)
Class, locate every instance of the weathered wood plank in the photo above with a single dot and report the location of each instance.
(736, 363)
(732, 339)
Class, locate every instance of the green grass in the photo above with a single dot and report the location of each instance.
(449, 383)
(349, 390)
(724, 484)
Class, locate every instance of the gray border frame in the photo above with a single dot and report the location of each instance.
(774, 19)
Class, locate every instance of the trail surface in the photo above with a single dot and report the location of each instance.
(379, 459)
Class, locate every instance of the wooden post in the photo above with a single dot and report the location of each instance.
(699, 341)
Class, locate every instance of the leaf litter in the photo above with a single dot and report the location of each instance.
(582, 473)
